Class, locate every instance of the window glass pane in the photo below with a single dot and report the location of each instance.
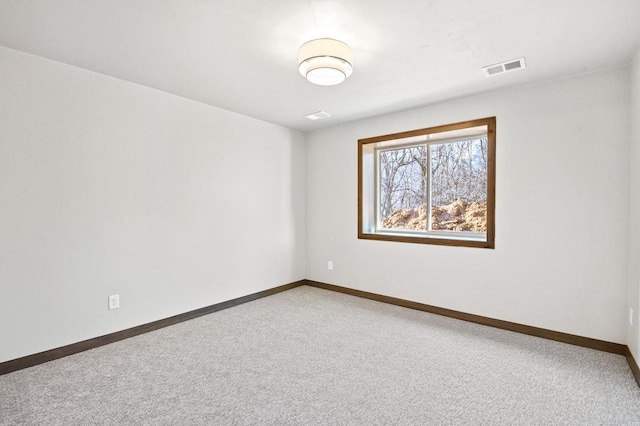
(459, 186)
(403, 186)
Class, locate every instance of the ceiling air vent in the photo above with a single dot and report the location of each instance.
(512, 65)
(318, 115)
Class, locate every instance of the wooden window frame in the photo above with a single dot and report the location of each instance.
(490, 122)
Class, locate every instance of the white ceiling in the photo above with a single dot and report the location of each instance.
(241, 55)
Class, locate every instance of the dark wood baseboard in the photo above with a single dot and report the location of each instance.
(586, 342)
(50, 355)
(634, 365)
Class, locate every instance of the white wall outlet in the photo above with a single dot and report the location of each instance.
(330, 265)
(630, 316)
(114, 301)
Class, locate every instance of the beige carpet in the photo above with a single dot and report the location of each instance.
(314, 357)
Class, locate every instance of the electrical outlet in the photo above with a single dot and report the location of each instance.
(630, 316)
(114, 301)
(330, 265)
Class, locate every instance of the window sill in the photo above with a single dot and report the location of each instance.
(459, 241)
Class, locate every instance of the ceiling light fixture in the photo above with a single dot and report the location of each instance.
(325, 61)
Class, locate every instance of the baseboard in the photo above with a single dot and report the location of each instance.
(50, 355)
(586, 342)
(634, 365)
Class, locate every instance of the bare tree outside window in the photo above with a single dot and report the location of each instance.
(456, 183)
(402, 180)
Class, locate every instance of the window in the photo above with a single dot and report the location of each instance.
(431, 186)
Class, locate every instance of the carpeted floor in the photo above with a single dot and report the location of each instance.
(314, 357)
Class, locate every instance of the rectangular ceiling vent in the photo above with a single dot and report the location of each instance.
(318, 115)
(512, 65)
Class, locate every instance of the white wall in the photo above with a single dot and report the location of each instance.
(633, 335)
(561, 218)
(107, 187)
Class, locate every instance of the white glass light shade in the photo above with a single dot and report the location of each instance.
(325, 61)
